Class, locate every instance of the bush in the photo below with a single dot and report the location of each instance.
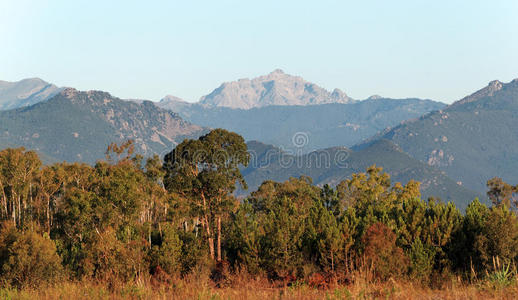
(114, 261)
(27, 259)
(421, 260)
(381, 253)
(166, 250)
(499, 237)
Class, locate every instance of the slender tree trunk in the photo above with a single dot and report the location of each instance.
(211, 248)
(48, 214)
(4, 200)
(19, 210)
(13, 208)
(207, 227)
(210, 238)
(219, 239)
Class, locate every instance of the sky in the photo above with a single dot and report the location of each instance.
(440, 50)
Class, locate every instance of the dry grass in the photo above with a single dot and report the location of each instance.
(248, 288)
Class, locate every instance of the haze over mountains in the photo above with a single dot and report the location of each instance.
(275, 107)
(325, 125)
(453, 150)
(25, 92)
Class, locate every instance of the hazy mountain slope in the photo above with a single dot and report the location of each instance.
(325, 125)
(472, 140)
(336, 164)
(78, 126)
(25, 92)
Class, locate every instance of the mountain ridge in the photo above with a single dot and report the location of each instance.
(472, 140)
(78, 126)
(25, 92)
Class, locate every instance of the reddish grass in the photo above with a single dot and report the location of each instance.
(243, 286)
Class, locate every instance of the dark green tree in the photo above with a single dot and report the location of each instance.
(205, 173)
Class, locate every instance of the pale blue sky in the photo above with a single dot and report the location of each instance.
(441, 50)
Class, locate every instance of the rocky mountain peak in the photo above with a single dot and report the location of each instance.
(488, 91)
(374, 97)
(275, 88)
(172, 99)
(338, 94)
(69, 92)
(173, 103)
(494, 86)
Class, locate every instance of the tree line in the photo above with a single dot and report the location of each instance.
(128, 218)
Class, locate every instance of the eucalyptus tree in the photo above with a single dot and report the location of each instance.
(204, 172)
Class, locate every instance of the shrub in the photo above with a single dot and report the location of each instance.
(421, 260)
(499, 237)
(166, 250)
(381, 253)
(114, 261)
(27, 259)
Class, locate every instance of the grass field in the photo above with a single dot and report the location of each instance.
(246, 288)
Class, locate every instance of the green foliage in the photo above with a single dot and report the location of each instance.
(330, 242)
(499, 237)
(281, 242)
(27, 259)
(243, 239)
(501, 276)
(421, 260)
(193, 251)
(205, 172)
(166, 251)
(502, 193)
(465, 254)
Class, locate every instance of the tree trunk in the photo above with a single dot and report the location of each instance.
(219, 239)
(211, 248)
(210, 238)
(48, 214)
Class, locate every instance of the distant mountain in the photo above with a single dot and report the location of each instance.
(276, 88)
(472, 140)
(174, 103)
(78, 126)
(25, 92)
(338, 163)
(321, 126)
